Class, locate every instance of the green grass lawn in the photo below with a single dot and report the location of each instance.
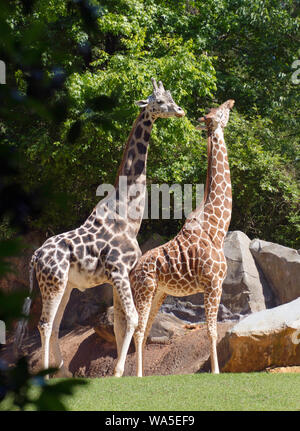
(246, 391)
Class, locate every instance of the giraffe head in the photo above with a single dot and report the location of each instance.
(217, 116)
(160, 103)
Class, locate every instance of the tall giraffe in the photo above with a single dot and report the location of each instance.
(104, 248)
(194, 260)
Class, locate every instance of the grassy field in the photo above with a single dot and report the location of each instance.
(251, 391)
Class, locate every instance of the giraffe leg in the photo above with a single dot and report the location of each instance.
(54, 343)
(119, 321)
(139, 336)
(146, 318)
(212, 296)
(50, 307)
(124, 291)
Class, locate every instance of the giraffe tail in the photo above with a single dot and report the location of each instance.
(21, 329)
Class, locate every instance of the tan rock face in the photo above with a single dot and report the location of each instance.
(281, 267)
(264, 339)
(258, 352)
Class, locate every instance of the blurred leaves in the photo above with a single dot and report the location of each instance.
(17, 381)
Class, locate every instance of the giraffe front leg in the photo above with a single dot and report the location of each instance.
(212, 296)
(124, 292)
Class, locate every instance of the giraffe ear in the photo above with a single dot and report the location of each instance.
(142, 103)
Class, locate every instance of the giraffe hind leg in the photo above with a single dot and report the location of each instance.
(212, 296)
(147, 313)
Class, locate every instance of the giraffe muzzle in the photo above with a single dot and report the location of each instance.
(180, 112)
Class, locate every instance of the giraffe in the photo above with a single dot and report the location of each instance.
(104, 248)
(194, 260)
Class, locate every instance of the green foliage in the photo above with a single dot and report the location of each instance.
(204, 52)
(266, 195)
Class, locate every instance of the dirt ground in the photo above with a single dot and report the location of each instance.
(87, 355)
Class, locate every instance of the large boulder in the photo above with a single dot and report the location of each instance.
(268, 338)
(245, 289)
(281, 267)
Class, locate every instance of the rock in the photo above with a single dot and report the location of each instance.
(245, 289)
(163, 329)
(284, 370)
(268, 338)
(281, 267)
(84, 306)
(190, 309)
(104, 325)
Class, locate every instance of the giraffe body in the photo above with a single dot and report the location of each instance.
(104, 248)
(194, 260)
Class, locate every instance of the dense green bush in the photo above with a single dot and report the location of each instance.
(205, 53)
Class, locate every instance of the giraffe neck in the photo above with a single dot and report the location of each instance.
(132, 171)
(124, 206)
(218, 196)
(134, 161)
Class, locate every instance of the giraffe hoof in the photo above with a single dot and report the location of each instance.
(118, 373)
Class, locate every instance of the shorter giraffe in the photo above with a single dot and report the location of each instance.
(194, 260)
